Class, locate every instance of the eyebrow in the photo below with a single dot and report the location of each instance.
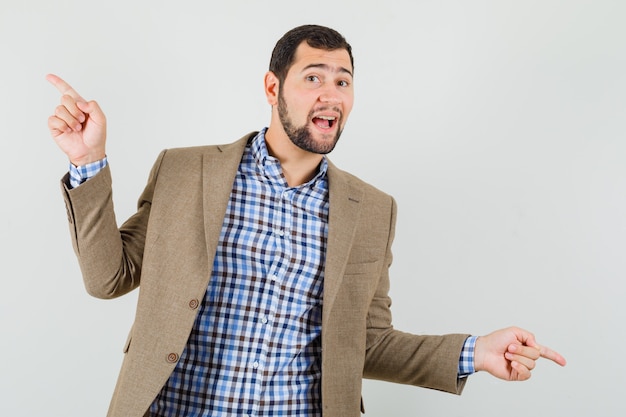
(328, 68)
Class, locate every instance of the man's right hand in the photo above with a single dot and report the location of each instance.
(77, 126)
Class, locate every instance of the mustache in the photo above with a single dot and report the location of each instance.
(326, 108)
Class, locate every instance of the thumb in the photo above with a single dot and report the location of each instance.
(524, 337)
(93, 110)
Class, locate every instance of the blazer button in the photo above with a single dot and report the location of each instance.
(193, 304)
(172, 358)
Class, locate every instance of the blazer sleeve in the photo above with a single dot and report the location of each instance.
(110, 258)
(429, 361)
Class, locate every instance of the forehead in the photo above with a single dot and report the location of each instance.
(337, 60)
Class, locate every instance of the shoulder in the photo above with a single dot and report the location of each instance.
(184, 154)
(373, 204)
(347, 179)
(187, 162)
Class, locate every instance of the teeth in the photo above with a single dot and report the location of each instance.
(326, 117)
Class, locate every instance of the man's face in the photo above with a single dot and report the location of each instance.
(316, 97)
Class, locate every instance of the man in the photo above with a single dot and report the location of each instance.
(262, 267)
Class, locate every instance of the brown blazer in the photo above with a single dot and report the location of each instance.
(167, 247)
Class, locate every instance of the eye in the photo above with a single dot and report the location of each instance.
(313, 78)
(343, 83)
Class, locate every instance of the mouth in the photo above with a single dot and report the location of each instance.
(325, 122)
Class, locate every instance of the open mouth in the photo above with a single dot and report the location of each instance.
(325, 122)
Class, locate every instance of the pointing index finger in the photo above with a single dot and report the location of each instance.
(550, 354)
(63, 87)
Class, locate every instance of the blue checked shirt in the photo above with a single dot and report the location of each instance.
(255, 347)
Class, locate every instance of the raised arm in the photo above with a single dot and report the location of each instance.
(78, 126)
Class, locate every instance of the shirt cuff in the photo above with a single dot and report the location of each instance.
(80, 174)
(466, 361)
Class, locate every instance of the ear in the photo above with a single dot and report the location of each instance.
(271, 88)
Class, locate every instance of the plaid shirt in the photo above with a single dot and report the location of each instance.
(255, 347)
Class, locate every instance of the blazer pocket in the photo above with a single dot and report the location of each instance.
(360, 281)
(362, 268)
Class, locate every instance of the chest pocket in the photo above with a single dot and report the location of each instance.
(360, 281)
(363, 268)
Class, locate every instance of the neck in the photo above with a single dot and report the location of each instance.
(299, 166)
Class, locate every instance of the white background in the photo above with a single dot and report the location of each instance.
(499, 127)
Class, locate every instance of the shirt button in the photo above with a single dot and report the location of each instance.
(193, 304)
(280, 232)
(273, 277)
(172, 358)
(264, 320)
(255, 365)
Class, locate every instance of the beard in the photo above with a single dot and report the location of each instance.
(301, 136)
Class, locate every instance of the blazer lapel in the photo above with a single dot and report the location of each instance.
(220, 166)
(345, 205)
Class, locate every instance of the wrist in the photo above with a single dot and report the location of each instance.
(88, 159)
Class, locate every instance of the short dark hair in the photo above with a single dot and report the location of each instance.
(316, 36)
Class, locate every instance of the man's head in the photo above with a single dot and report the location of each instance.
(318, 37)
(309, 86)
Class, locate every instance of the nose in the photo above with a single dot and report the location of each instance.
(330, 95)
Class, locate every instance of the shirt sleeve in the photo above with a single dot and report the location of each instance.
(80, 174)
(466, 360)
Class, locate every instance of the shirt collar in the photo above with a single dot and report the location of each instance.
(270, 167)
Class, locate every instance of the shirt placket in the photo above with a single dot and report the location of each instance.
(281, 221)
